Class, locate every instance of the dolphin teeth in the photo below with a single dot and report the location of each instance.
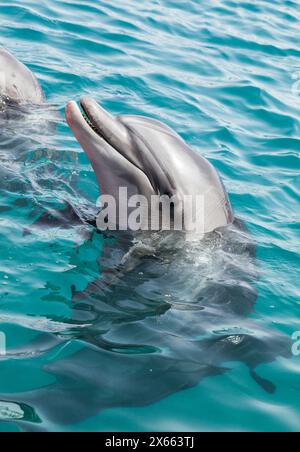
(89, 122)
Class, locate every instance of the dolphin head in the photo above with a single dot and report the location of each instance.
(18, 85)
(148, 158)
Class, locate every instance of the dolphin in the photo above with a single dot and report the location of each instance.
(18, 85)
(149, 159)
(165, 312)
(20, 93)
(25, 121)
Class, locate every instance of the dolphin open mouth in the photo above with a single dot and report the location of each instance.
(99, 121)
(120, 141)
(90, 116)
(108, 128)
(111, 131)
(89, 119)
(110, 147)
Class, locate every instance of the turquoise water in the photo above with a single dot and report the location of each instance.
(225, 75)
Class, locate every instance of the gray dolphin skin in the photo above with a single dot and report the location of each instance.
(148, 158)
(17, 83)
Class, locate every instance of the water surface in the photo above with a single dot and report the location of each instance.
(225, 75)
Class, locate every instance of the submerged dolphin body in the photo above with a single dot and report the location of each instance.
(148, 330)
(165, 312)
